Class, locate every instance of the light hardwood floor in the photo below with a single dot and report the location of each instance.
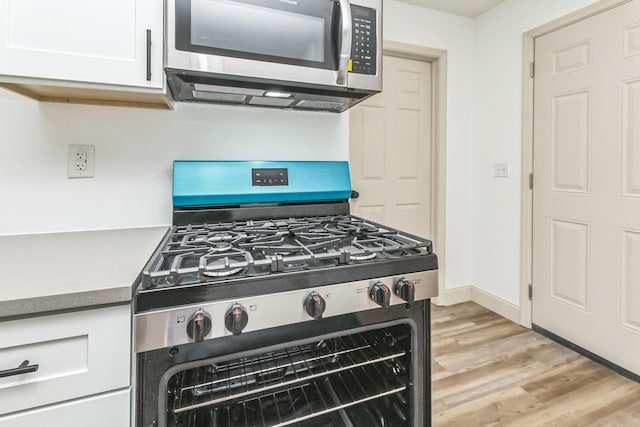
(488, 371)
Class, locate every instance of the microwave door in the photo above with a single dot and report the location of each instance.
(304, 42)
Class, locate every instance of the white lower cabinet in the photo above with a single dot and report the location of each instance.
(61, 358)
(106, 410)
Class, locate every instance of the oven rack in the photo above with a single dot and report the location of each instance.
(308, 381)
(318, 400)
(285, 368)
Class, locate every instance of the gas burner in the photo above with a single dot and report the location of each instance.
(221, 237)
(357, 254)
(221, 247)
(223, 264)
(222, 272)
(363, 257)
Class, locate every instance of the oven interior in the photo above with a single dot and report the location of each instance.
(357, 379)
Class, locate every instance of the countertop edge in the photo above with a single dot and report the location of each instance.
(35, 306)
(85, 270)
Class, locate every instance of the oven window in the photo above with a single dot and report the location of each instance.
(362, 379)
(248, 28)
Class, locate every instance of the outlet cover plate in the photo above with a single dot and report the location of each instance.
(81, 161)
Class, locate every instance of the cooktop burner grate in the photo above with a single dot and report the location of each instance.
(209, 252)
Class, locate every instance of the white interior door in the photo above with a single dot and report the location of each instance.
(586, 215)
(390, 149)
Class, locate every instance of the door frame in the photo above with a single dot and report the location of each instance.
(526, 208)
(438, 60)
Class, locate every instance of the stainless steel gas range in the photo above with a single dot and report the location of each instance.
(268, 304)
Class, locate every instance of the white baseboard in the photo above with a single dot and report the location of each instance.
(496, 304)
(454, 296)
(471, 293)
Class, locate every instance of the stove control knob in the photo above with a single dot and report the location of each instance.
(406, 290)
(380, 294)
(199, 325)
(236, 319)
(315, 305)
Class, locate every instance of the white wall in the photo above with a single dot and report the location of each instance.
(134, 153)
(495, 202)
(412, 24)
(135, 148)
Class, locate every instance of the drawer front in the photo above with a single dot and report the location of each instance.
(106, 410)
(77, 354)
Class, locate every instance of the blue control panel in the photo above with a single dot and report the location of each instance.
(211, 183)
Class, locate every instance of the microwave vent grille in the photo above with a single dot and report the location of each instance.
(219, 97)
(200, 87)
(320, 105)
(270, 102)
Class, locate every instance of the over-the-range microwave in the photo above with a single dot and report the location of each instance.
(301, 54)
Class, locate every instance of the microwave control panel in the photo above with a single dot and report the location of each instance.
(364, 44)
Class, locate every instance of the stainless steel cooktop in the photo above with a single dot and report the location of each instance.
(216, 252)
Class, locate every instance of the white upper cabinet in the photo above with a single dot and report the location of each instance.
(103, 42)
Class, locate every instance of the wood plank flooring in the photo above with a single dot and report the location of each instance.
(488, 371)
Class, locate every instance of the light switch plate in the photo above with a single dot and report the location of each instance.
(501, 169)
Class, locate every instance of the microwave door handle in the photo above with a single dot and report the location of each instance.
(347, 34)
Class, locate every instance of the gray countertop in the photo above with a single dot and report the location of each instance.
(60, 271)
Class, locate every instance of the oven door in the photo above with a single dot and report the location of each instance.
(370, 368)
(286, 40)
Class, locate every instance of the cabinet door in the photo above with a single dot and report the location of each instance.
(105, 410)
(82, 41)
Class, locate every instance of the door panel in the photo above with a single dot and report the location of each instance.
(572, 58)
(390, 149)
(586, 209)
(408, 144)
(571, 136)
(630, 268)
(632, 40)
(372, 126)
(570, 263)
(631, 138)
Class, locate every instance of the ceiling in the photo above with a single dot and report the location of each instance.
(468, 8)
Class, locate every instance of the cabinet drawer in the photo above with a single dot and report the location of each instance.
(77, 354)
(107, 410)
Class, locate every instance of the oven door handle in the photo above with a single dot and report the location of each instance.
(347, 34)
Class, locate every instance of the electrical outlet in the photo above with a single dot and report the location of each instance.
(501, 169)
(80, 161)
